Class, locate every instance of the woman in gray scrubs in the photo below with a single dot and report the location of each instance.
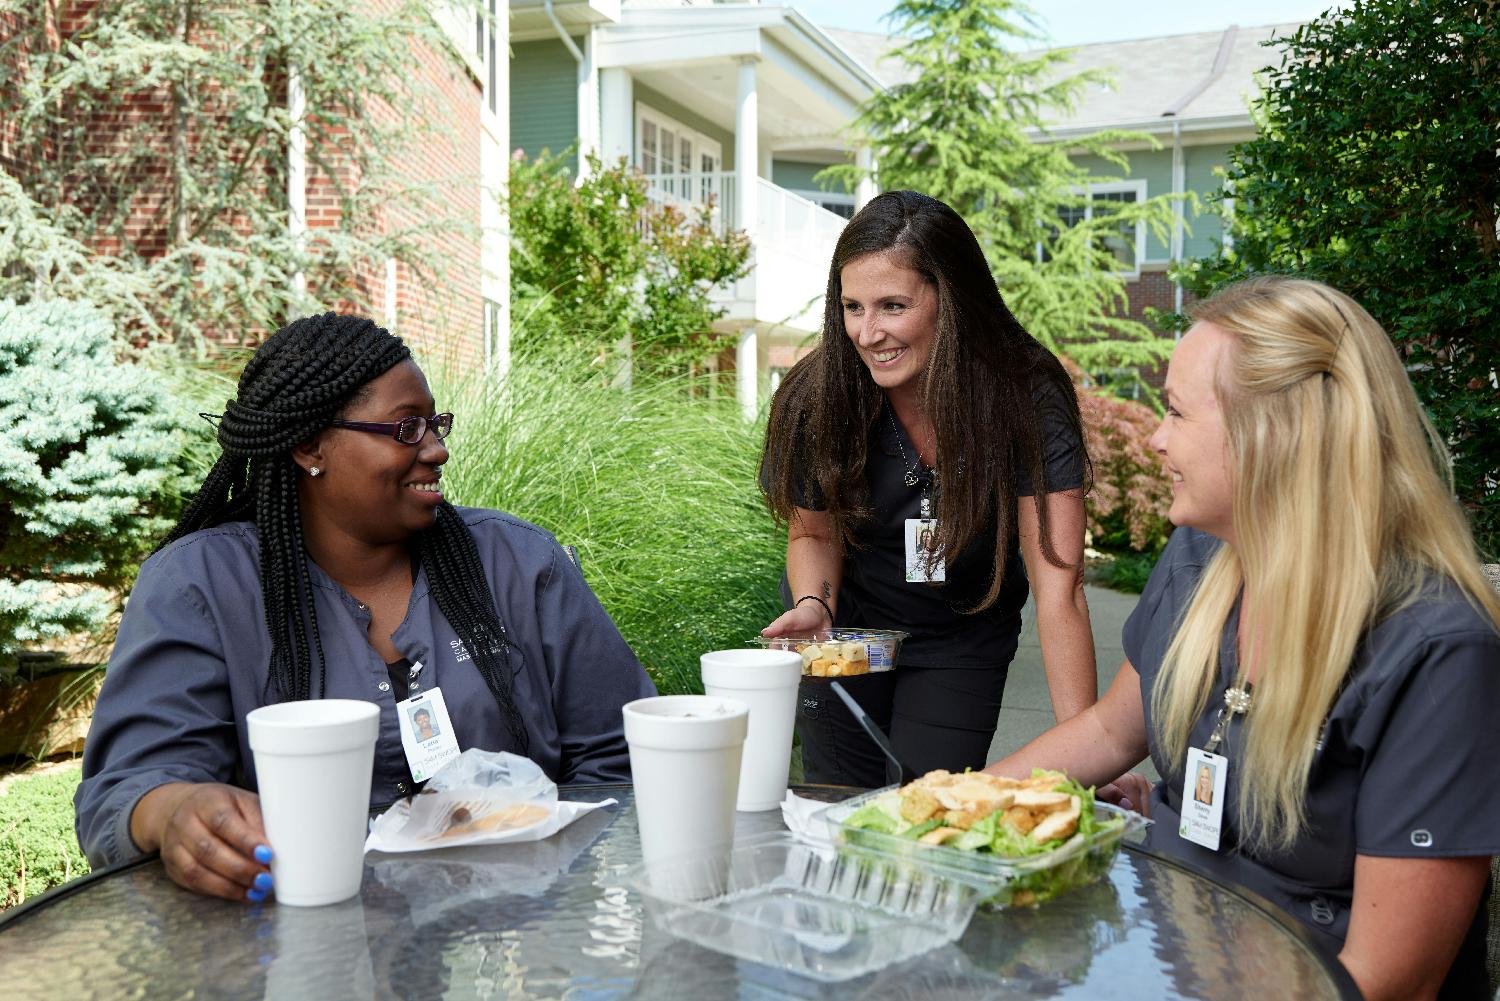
(321, 560)
(1318, 633)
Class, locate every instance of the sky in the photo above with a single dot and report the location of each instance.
(1081, 22)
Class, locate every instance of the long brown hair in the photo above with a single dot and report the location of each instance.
(979, 391)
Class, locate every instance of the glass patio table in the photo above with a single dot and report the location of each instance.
(553, 919)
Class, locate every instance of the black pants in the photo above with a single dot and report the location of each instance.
(935, 717)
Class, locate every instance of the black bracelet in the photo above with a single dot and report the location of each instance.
(814, 597)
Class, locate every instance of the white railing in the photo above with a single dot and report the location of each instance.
(691, 192)
(791, 221)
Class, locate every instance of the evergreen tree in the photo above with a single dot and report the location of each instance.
(88, 454)
(156, 132)
(963, 129)
(1375, 171)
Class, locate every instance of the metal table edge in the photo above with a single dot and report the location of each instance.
(1340, 976)
(1336, 971)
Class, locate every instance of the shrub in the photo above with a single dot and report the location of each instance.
(38, 849)
(656, 487)
(1127, 508)
(1374, 171)
(597, 264)
(86, 466)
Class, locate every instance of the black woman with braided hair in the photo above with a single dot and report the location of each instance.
(320, 559)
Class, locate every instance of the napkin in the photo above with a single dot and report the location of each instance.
(806, 819)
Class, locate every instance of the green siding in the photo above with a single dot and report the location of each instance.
(798, 176)
(543, 97)
(1199, 164)
(1204, 225)
(661, 102)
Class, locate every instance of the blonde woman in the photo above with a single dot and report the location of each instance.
(1319, 628)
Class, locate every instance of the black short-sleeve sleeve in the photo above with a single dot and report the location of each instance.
(805, 491)
(1433, 741)
(1062, 443)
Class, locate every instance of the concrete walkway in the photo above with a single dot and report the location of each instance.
(1026, 710)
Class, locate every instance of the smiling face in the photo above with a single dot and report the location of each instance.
(890, 314)
(1192, 440)
(372, 486)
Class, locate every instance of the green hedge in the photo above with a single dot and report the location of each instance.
(38, 849)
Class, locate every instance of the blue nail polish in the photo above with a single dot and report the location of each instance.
(263, 854)
(255, 896)
(263, 881)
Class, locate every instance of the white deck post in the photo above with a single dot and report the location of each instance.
(746, 375)
(746, 148)
(867, 188)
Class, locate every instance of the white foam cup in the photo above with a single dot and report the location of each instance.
(685, 766)
(313, 762)
(766, 681)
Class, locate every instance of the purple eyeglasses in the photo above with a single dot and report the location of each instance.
(408, 430)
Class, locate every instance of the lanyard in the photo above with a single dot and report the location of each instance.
(1236, 701)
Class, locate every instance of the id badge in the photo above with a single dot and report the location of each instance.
(426, 733)
(1203, 798)
(924, 555)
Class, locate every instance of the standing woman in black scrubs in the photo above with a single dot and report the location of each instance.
(928, 459)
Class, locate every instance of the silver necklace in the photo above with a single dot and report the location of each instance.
(910, 477)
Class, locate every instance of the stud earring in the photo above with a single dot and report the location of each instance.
(314, 471)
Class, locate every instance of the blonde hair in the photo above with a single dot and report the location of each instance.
(1342, 505)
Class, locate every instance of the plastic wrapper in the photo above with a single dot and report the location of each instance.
(478, 798)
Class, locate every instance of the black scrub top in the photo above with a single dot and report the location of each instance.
(875, 593)
(1404, 767)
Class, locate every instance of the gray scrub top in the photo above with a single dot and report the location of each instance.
(1405, 766)
(193, 653)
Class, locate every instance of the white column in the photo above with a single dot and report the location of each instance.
(746, 151)
(494, 171)
(588, 105)
(616, 115)
(296, 184)
(746, 376)
(867, 188)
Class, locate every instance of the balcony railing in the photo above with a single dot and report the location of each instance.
(792, 222)
(690, 192)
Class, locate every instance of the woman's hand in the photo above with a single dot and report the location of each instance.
(210, 836)
(803, 620)
(1131, 791)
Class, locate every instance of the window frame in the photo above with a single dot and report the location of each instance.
(1091, 190)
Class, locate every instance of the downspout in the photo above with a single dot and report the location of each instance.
(1179, 187)
(577, 55)
(562, 32)
(1179, 180)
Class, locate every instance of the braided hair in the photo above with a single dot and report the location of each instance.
(298, 382)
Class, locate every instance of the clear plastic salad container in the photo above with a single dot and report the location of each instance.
(1006, 881)
(819, 913)
(841, 652)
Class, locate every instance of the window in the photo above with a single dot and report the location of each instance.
(1128, 243)
(678, 162)
(840, 203)
(484, 48)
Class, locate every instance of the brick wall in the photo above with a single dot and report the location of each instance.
(445, 326)
(1152, 289)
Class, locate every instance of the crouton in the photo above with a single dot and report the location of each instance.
(917, 805)
(819, 668)
(1020, 818)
